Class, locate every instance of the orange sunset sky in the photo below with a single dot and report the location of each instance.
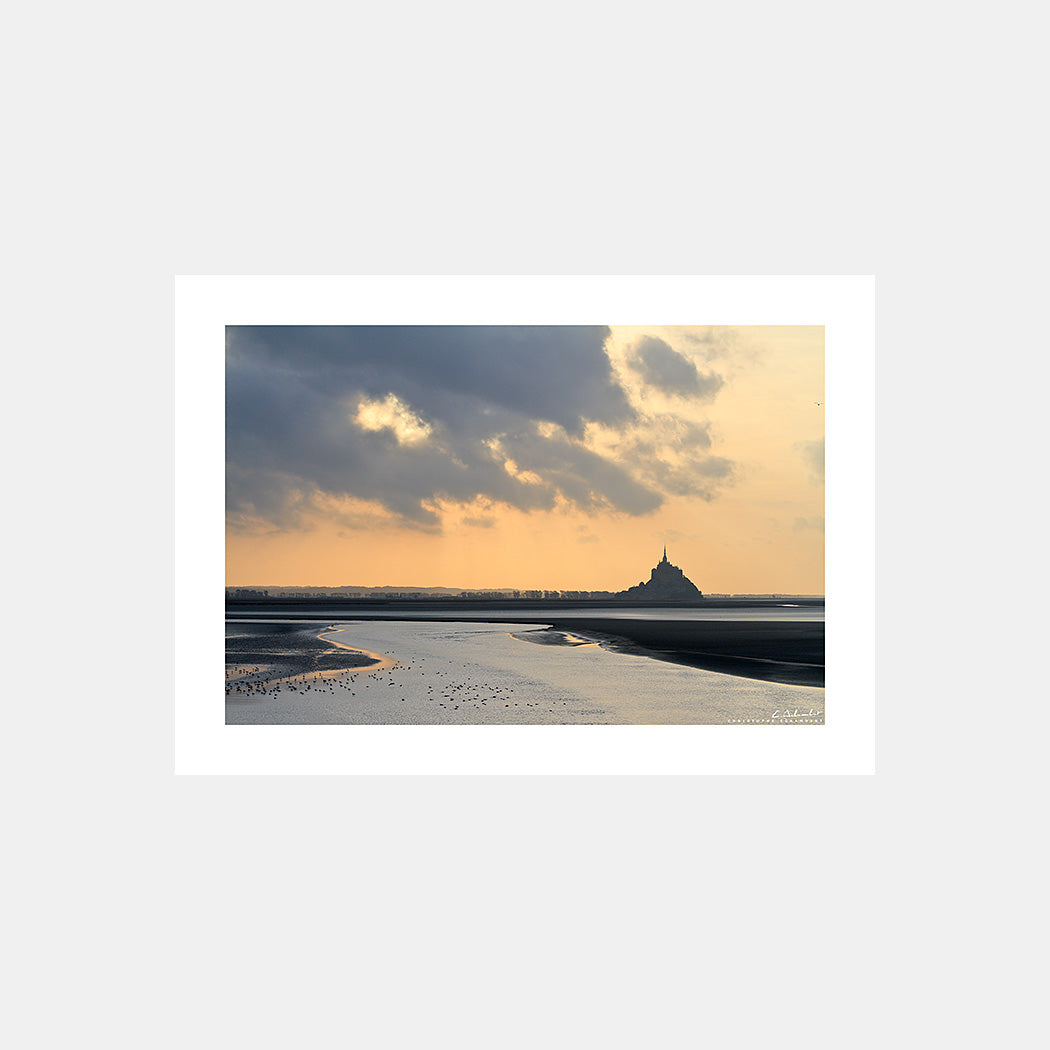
(525, 457)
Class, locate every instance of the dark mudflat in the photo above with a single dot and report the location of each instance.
(789, 651)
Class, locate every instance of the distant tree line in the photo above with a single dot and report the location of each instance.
(341, 592)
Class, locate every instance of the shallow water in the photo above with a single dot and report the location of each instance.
(469, 673)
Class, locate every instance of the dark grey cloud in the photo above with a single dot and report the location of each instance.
(664, 368)
(478, 394)
(560, 374)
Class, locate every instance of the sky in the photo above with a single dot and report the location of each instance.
(558, 458)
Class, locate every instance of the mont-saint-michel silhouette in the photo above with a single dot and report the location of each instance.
(666, 582)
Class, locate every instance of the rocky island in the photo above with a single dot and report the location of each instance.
(666, 583)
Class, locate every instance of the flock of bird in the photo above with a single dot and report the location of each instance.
(442, 689)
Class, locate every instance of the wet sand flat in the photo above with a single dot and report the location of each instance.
(471, 673)
(258, 654)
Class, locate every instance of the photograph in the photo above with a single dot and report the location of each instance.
(524, 525)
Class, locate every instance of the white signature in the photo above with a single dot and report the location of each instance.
(794, 714)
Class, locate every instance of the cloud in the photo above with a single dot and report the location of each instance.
(801, 524)
(702, 476)
(813, 456)
(372, 427)
(584, 477)
(711, 341)
(402, 419)
(560, 374)
(669, 371)
(671, 454)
